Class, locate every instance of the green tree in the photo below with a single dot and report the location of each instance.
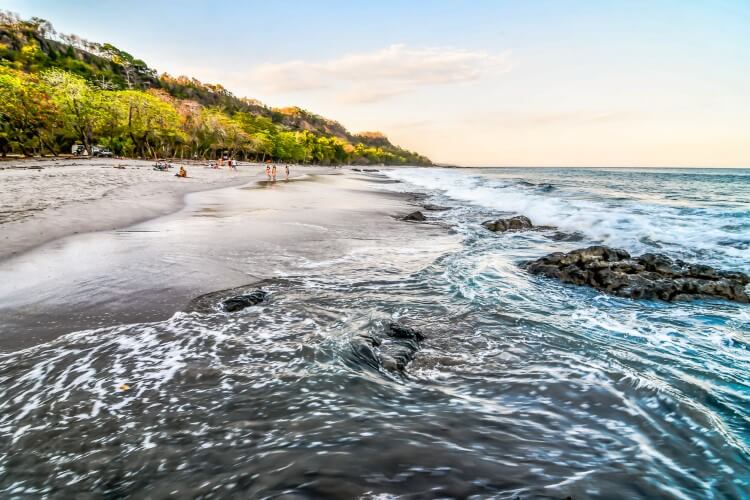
(26, 112)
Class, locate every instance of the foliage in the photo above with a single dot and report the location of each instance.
(57, 90)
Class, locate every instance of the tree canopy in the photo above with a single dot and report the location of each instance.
(58, 90)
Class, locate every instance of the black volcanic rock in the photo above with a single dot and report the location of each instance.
(563, 236)
(435, 208)
(517, 223)
(393, 350)
(415, 217)
(650, 276)
(239, 302)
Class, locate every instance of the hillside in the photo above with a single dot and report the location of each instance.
(41, 69)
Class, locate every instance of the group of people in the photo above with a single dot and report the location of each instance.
(271, 172)
(162, 165)
(271, 169)
(231, 163)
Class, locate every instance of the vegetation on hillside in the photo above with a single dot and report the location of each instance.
(58, 90)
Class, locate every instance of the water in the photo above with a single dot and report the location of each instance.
(524, 386)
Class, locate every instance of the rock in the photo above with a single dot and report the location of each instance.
(393, 351)
(399, 331)
(563, 236)
(239, 302)
(517, 223)
(415, 217)
(650, 276)
(435, 208)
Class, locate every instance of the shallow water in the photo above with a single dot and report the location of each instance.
(523, 386)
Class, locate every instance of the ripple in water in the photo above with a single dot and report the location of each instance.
(523, 387)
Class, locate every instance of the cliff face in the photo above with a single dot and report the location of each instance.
(35, 46)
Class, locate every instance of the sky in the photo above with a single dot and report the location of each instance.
(502, 83)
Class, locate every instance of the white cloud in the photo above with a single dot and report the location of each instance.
(373, 76)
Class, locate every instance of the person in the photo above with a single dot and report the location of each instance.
(182, 172)
(268, 172)
(233, 164)
(273, 173)
(286, 172)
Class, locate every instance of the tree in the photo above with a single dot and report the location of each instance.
(25, 110)
(78, 103)
(152, 125)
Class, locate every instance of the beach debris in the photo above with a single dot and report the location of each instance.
(239, 302)
(650, 276)
(415, 217)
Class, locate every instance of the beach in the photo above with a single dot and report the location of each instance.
(370, 355)
(98, 254)
(47, 199)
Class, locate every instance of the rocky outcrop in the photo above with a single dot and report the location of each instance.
(415, 217)
(239, 302)
(650, 276)
(517, 223)
(392, 350)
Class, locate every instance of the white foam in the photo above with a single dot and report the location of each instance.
(633, 224)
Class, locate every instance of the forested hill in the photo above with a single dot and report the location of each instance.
(57, 90)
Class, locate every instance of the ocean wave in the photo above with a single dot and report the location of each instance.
(693, 232)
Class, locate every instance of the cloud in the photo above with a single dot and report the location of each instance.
(374, 76)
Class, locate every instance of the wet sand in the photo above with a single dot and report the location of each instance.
(43, 200)
(115, 271)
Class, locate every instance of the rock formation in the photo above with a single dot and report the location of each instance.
(650, 276)
(239, 302)
(392, 351)
(517, 223)
(415, 217)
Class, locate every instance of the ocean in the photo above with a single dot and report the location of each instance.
(523, 387)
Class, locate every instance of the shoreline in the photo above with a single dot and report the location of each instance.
(123, 204)
(218, 238)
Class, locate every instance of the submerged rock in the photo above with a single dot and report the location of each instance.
(650, 276)
(435, 208)
(563, 236)
(415, 217)
(516, 223)
(239, 302)
(392, 351)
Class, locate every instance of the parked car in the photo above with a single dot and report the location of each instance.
(102, 152)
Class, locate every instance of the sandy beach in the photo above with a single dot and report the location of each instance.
(43, 200)
(132, 245)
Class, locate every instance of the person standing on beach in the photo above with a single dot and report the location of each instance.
(273, 173)
(268, 172)
(286, 172)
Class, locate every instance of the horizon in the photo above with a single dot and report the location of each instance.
(616, 85)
